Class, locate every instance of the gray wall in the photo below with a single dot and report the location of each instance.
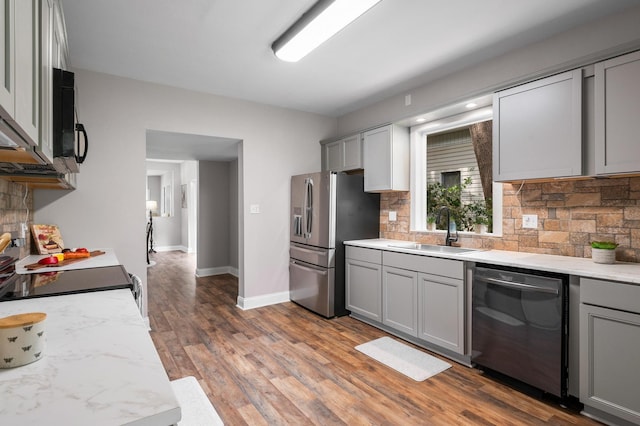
(108, 207)
(582, 45)
(233, 215)
(213, 215)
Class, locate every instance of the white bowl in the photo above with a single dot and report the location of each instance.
(22, 339)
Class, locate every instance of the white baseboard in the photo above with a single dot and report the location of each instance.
(207, 272)
(264, 300)
(170, 248)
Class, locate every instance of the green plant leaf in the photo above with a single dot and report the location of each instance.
(605, 245)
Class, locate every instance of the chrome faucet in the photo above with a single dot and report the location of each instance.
(448, 239)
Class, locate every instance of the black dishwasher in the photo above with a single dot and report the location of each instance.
(520, 325)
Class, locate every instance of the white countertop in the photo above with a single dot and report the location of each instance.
(100, 366)
(584, 267)
(107, 259)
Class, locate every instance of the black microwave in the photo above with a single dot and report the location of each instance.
(66, 145)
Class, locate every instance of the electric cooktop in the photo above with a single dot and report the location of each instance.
(23, 286)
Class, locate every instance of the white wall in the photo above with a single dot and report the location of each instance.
(189, 175)
(108, 210)
(580, 46)
(167, 229)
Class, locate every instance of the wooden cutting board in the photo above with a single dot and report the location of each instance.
(65, 262)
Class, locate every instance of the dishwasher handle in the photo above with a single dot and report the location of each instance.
(518, 285)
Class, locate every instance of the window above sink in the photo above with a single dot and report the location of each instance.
(452, 166)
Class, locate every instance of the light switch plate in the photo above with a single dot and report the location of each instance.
(530, 221)
(254, 208)
(393, 216)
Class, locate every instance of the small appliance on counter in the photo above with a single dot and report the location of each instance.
(327, 208)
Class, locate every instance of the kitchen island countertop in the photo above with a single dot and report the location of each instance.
(100, 366)
(584, 267)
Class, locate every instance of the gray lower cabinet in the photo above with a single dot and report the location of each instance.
(441, 316)
(617, 101)
(400, 299)
(610, 349)
(363, 277)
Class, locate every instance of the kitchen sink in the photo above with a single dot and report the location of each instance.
(433, 248)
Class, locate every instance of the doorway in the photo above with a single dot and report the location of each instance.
(199, 197)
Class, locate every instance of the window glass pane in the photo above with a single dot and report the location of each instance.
(459, 175)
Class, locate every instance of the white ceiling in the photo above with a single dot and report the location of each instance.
(223, 46)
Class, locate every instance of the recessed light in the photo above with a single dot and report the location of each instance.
(421, 120)
(471, 105)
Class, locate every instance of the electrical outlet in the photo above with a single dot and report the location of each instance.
(530, 221)
(23, 230)
(393, 216)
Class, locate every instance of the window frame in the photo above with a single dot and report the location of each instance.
(418, 182)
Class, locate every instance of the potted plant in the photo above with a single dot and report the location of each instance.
(480, 216)
(481, 225)
(431, 223)
(603, 251)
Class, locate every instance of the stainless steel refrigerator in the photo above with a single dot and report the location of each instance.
(327, 208)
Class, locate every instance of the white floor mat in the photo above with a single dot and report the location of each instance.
(194, 404)
(403, 358)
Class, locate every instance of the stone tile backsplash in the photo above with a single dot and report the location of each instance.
(13, 212)
(571, 214)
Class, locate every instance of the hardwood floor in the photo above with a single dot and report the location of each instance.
(282, 364)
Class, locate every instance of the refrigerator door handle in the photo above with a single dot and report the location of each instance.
(308, 207)
(307, 268)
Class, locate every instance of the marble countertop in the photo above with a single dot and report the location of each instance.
(100, 366)
(107, 259)
(584, 267)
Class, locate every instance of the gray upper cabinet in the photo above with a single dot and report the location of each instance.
(342, 155)
(27, 70)
(537, 129)
(617, 102)
(7, 59)
(386, 159)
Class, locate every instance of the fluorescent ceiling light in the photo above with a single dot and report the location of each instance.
(317, 25)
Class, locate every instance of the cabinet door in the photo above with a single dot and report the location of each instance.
(537, 129)
(45, 142)
(333, 155)
(609, 350)
(352, 149)
(441, 311)
(386, 159)
(27, 68)
(7, 57)
(364, 288)
(617, 102)
(400, 299)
